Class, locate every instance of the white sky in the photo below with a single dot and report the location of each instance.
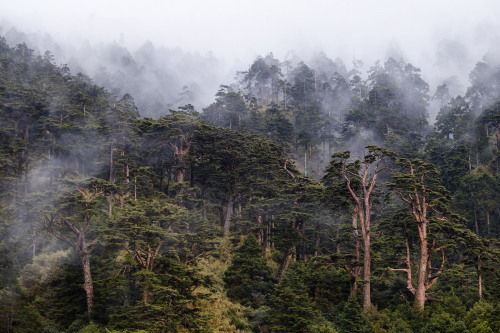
(232, 28)
(239, 30)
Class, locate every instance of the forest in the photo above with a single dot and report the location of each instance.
(307, 196)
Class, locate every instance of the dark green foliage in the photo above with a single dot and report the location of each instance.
(351, 318)
(249, 280)
(292, 308)
(274, 125)
(229, 110)
(27, 319)
(395, 110)
(171, 301)
(145, 199)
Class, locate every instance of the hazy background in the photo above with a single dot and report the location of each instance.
(444, 38)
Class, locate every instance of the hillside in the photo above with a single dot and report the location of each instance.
(307, 197)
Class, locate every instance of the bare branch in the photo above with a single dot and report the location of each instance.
(407, 270)
(72, 227)
(288, 171)
(433, 279)
(430, 298)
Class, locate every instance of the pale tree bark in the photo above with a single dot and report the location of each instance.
(81, 248)
(422, 269)
(145, 258)
(479, 277)
(355, 269)
(229, 213)
(287, 259)
(488, 228)
(87, 278)
(427, 275)
(55, 222)
(180, 151)
(260, 237)
(363, 207)
(111, 180)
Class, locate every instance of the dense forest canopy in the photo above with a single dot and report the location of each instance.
(307, 196)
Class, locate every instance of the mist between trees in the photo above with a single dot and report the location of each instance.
(305, 196)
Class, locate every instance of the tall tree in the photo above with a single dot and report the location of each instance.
(361, 178)
(249, 279)
(229, 110)
(420, 188)
(77, 216)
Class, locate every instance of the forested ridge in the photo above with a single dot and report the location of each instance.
(308, 197)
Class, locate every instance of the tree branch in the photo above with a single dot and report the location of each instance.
(288, 171)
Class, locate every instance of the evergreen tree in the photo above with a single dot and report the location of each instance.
(249, 280)
(361, 179)
(421, 190)
(292, 308)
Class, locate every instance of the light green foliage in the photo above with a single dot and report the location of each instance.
(91, 328)
(220, 311)
(444, 323)
(321, 325)
(480, 316)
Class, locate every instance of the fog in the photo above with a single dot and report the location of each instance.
(445, 38)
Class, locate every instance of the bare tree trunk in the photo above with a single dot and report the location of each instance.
(110, 204)
(354, 270)
(422, 271)
(87, 278)
(111, 180)
(229, 213)
(488, 221)
(260, 238)
(479, 277)
(365, 230)
(476, 223)
(366, 273)
(285, 262)
(303, 245)
(180, 175)
(145, 294)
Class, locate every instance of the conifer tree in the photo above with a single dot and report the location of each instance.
(361, 178)
(249, 280)
(421, 190)
(292, 307)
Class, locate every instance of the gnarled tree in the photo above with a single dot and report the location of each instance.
(420, 188)
(360, 178)
(71, 224)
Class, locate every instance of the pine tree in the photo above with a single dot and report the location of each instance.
(292, 308)
(249, 280)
